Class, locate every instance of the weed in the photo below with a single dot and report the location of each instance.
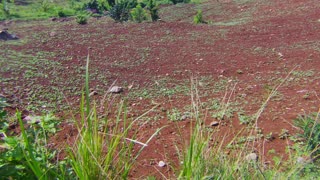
(197, 19)
(244, 119)
(138, 14)
(82, 19)
(153, 8)
(27, 156)
(121, 11)
(104, 153)
(284, 134)
(311, 132)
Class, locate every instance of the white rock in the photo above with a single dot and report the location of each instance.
(116, 89)
(252, 157)
(161, 164)
(214, 123)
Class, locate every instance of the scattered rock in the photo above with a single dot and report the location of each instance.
(4, 35)
(280, 54)
(303, 160)
(116, 89)
(27, 118)
(302, 91)
(185, 116)
(93, 93)
(53, 33)
(32, 119)
(252, 157)
(162, 164)
(214, 123)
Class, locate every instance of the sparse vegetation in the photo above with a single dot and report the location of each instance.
(138, 14)
(237, 124)
(197, 19)
(82, 19)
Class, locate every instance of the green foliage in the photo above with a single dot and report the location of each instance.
(61, 12)
(4, 6)
(27, 156)
(46, 5)
(179, 1)
(197, 19)
(121, 11)
(97, 5)
(138, 14)
(311, 132)
(103, 150)
(153, 9)
(82, 19)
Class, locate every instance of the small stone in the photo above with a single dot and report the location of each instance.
(52, 34)
(301, 160)
(27, 118)
(161, 164)
(93, 93)
(252, 157)
(116, 89)
(304, 160)
(185, 116)
(214, 123)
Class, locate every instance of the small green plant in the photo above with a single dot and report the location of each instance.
(138, 14)
(121, 11)
(82, 19)
(174, 115)
(197, 19)
(245, 119)
(153, 9)
(180, 1)
(27, 156)
(104, 152)
(5, 8)
(98, 6)
(311, 132)
(45, 5)
(284, 134)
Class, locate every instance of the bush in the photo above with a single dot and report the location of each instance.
(5, 8)
(179, 1)
(197, 19)
(82, 19)
(120, 12)
(153, 8)
(98, 6)
(311, 133)
(138, 14)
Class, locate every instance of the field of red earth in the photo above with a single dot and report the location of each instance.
(247, 49)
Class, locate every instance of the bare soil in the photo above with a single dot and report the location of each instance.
(247, 49)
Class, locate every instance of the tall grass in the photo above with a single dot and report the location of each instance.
(104, 148)
(202, 160)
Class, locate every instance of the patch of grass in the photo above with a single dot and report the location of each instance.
(107, 152)
(203, 159)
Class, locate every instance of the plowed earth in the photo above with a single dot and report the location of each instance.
(247, 49)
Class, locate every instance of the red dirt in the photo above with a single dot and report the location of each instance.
(277, 37)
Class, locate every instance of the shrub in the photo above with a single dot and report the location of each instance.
(138, 14)
(5, 8)
(311, 133)
(28, 156)
(99, 6)
(179, 1)
(153, 8)
(120, 12)
(45, 5)
(82, 19)
(197, 19)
